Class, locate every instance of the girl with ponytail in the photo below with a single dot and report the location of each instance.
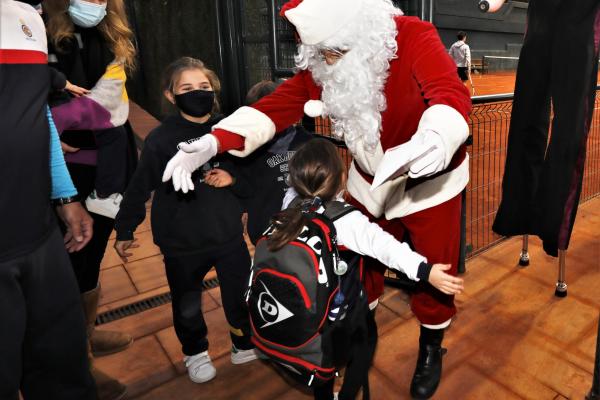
(317, 176)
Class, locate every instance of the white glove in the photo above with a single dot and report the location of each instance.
(432, 155)
(189, 158)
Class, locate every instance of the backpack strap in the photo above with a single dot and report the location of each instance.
(335, 210)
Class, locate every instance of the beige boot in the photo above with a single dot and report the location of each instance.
(108, 388)
(103, 342)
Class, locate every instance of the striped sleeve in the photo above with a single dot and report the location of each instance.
(107, 105)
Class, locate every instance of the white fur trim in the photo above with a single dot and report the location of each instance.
(253, 125)
(392, 198)
(449, 124)
(443, 325)
(375, 200)
(314, 108)
(318, 20)
(366, 160)
(429, 193)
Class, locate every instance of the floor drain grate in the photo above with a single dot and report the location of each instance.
(144, 305)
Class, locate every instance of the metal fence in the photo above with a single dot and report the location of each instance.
(489, 122)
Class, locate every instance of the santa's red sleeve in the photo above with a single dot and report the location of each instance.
(448, 100)
(250, 127)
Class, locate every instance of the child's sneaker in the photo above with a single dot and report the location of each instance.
(200, 367)
(108, 207)
(243, 356)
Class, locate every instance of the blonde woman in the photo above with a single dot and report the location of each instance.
(91, 43)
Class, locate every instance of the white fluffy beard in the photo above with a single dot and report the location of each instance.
(353, 86)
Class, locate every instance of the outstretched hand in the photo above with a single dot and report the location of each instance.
(189, 158)
(121, 247)
(445, 282)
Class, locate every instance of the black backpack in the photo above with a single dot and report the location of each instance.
(298, 318)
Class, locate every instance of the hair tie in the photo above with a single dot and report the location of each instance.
(311, 205)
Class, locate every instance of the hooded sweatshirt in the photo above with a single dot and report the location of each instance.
(266, 170)
(204, 220)
(460, 53)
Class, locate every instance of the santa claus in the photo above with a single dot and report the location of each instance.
(387, 83)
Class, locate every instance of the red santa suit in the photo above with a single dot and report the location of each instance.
(422, 93)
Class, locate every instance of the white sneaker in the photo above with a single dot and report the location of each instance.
(200, 368)
(108, 207)
(243, 356)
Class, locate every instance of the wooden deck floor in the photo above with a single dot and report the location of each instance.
(511, 339)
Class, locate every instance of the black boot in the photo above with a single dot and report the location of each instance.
(429, 364)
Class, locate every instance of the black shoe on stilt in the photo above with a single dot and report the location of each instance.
(428, 371)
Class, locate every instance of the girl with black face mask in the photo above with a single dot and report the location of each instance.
(197, 229)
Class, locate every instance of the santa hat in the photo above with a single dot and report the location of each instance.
(319, 20)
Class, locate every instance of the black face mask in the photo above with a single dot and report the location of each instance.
(196, 103)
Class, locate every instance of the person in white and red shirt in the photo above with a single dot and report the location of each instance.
(42, 338)
(385, 80)
(461, 54)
